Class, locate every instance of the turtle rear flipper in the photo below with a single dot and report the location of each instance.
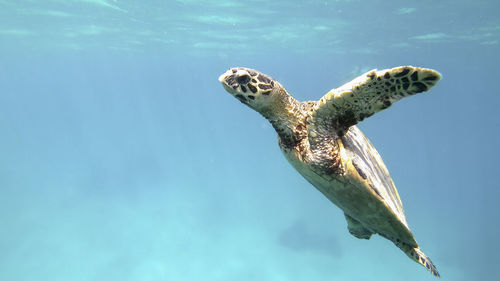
(418, 256)
(357, 229)
(370, 93)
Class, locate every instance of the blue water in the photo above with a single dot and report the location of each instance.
(123, 158)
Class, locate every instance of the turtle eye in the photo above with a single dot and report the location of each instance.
(243, 79)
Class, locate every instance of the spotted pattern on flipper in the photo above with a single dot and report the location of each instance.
(418, 256)
(370, 93)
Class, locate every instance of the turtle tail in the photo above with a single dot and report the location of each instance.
(417, 255)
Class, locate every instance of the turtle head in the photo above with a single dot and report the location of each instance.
(252, 88)
(266, 96)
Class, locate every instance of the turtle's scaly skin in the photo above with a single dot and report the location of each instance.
(321, 141)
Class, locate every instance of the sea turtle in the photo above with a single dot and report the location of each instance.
(321, 141)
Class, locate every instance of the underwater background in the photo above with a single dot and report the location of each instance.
(123, 158)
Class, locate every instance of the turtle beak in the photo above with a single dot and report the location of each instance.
(222, 78)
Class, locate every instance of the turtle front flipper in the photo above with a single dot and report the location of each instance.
(371, 93)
